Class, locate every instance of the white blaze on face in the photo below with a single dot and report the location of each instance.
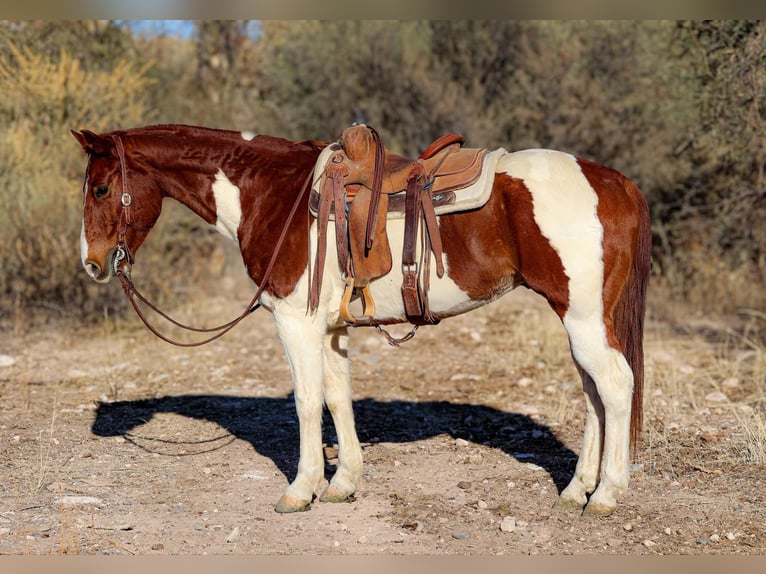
(227, 206)
(83, 246)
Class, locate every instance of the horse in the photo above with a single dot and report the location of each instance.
(572, 230)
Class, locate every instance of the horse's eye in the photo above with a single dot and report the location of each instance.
(101, 191)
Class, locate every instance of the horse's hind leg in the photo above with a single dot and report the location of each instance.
(608, 385)
(585, 478)
(337, 394)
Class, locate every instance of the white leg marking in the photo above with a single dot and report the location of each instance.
(302, 337)
(227, 206)
(565, 209)
(338, 397)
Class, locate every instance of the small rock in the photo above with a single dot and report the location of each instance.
(461, 535)
(4, 531)
(730, 536)
(7, 361)
(508, 524)
(715, 538)
(233, 535)
(716, 397)
(464, 485)
(461, 442)
(649, 543)
(481, 504)
(158, 546)
(253, 475)
(70, 500)
(362, 539)
(667, 531)
(627, 526)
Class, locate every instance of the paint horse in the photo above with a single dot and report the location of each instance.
(571, 230)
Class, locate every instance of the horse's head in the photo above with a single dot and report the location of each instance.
(120, 205)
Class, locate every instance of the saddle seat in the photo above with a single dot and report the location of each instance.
(356, 179)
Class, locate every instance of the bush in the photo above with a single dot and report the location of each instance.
(41, 166)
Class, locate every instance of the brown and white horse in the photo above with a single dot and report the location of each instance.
(573, 231)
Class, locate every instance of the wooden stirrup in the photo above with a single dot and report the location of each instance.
(368, 305)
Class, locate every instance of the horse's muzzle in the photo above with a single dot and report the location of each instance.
(102, 274)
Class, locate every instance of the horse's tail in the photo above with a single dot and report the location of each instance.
(631, 310)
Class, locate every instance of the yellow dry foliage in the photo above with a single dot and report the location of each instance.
(41, 165)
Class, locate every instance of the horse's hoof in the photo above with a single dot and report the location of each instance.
(568, 505)
(335, 494)
(596, 510)
(292, 504)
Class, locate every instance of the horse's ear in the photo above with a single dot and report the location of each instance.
(93, 143)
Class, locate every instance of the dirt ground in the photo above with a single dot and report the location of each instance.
(113, 442)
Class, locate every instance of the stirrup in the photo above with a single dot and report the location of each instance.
(368, 305)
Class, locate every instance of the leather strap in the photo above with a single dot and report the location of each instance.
(322, 218)
(377, 187)
(410, 296)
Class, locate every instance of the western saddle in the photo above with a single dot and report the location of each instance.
(360, 185)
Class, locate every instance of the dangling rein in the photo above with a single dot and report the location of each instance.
(133, 293)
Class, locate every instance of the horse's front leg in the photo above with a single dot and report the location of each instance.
(302, 336)
(337, 394)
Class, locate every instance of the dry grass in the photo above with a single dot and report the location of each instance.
(706, 379)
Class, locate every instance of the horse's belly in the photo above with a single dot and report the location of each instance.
(445, 297)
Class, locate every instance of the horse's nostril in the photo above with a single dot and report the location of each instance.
(93, 270)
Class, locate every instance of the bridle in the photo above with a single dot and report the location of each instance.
(122, 252)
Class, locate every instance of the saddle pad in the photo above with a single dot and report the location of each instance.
(467, 198)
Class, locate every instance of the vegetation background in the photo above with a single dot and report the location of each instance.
(678, 106)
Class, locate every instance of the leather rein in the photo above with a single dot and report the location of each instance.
(123, 253)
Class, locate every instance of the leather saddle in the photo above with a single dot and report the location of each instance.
(360, 185)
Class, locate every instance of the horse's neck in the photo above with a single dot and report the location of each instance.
(191, 183)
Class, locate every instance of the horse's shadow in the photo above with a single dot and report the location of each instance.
(271, 426)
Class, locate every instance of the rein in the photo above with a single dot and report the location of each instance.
(123, 252)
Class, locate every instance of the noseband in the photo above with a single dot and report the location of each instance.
(123, 253)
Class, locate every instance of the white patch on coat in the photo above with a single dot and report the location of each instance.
(444, 296)
(565, 209)
(248, 135)
(227, 206)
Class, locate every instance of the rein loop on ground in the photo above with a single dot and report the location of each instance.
(123, 253)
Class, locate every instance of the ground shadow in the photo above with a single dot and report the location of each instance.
(271, 426)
